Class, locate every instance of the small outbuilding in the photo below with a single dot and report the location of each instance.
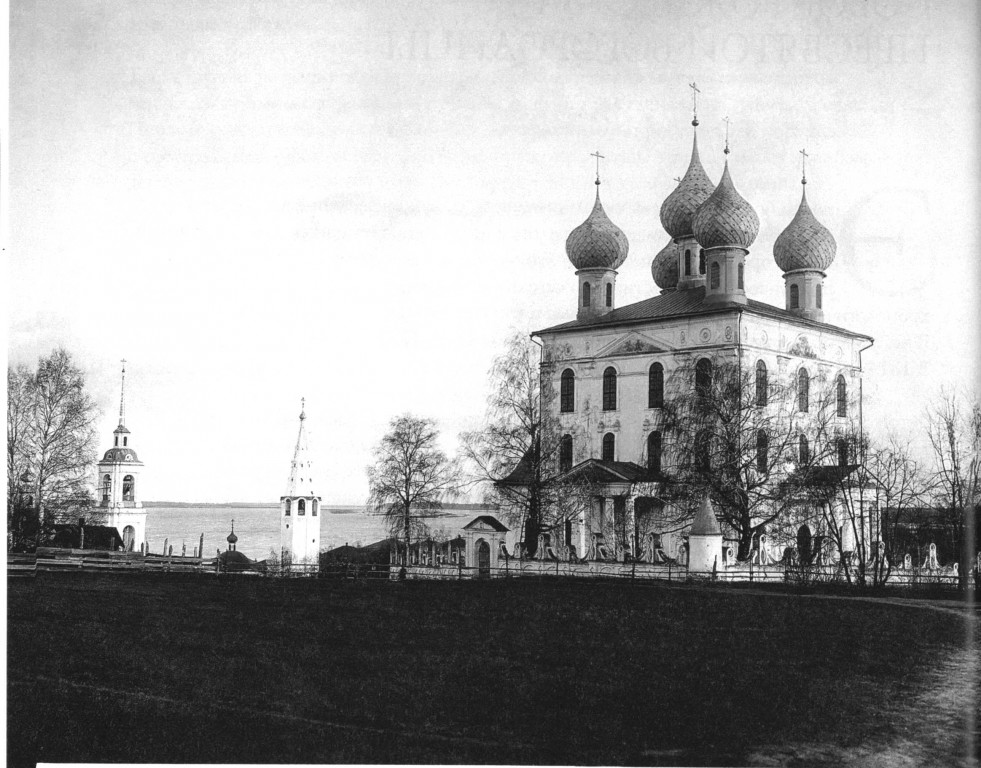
(483, 537)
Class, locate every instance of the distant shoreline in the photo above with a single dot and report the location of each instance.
(239, 505)
(447, 509)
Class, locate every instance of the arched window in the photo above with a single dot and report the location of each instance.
(585, 294)
(794, 297)
(106, 487)
(313, 508)
(609, 446)
(125, 441)
(565, 453)
(817, 295)
(654, 452)
(655, 386)
(762, 386)
(703, 378)
(701, 261)
(609, 294)
(687, 262)
(301, 507)
(128, 488)
(739, 272)
(714, 275)
(841, 395)
(762, 449)
(841, 448)
(567, 391)
(803, 390)
(803, 450)
(703, 461)
(116, 441)
(286, 509)
(610, 389)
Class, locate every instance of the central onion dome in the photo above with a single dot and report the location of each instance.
(597, 243)
(725, 219)
(806, 243)
(679, 207)
(664, 268)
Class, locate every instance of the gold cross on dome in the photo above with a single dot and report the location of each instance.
(598, 157)
(726, 121)
(694, 100)
(803, 166)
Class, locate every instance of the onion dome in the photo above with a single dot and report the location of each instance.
(597, 243)
(664, 268)
(232, 538)
(120, 454)
(806, 243)
(725, 219)
(678, 208)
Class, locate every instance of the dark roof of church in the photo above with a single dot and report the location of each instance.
(590, 470)
(599, 471)
(684, 303)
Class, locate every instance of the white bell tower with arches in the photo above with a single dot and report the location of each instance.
(118, 486)
(299, 506)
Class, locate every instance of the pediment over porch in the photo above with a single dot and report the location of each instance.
(635, 343)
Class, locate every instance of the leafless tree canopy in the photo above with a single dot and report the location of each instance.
(51, 444)
(753, 452)
(954, 432)
(411, 476)
(514, 456)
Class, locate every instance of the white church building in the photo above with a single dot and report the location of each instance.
(609, 365)
(118, 487)
(299, 505)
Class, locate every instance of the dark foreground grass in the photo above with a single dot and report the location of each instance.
(199, 669)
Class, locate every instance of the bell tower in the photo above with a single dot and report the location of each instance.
(118, 487)
(299, 506)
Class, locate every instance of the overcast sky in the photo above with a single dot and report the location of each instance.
(357, 202)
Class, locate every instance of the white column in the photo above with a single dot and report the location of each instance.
(631, 526)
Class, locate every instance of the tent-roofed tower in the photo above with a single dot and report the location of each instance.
(118, 489)
(299, 506)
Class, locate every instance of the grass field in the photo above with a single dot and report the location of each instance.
(198, 669)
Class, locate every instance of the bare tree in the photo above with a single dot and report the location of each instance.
(954, 432)
(754, 443)
(50, 418)
(411, 476)
(514, 456)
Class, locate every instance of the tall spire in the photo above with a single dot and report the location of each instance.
(122, 397)
(300, 482)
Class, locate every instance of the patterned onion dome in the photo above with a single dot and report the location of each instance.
(806, 243)
(664, 268)
(120, 454)
(679, 207)
(725, 218)
(597, 242)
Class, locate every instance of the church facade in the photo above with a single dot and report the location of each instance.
(613, 370)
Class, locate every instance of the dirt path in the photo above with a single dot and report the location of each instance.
(939, 727)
